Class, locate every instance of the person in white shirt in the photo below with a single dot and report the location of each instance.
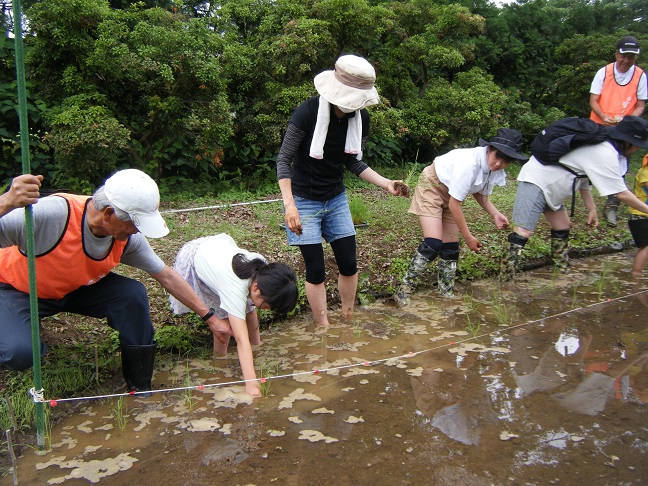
(618, 89)
(441, 189)
(234, 282)
(543, 188)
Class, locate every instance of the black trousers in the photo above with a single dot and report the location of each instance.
(121, 300)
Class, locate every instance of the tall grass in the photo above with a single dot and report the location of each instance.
(359, 210)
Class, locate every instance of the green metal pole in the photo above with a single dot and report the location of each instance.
(29, 227)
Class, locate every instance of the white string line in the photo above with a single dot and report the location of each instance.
(186, 210)
(54, 402)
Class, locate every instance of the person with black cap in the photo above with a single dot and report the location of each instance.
(442, 188)
(619, 89)
(542, 189)
(325, 134)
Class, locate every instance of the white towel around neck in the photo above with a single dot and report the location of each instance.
(353, 144)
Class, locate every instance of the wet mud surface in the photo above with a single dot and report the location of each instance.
(540, 381)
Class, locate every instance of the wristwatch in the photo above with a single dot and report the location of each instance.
(206, 317)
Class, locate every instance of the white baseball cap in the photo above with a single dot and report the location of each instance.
(135, 193)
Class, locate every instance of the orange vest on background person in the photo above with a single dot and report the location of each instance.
(64, 268)
(615, 99)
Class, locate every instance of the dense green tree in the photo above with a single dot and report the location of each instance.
(182, 87)
(579, 58)
(430, 42)
(11, 152)
(411, 44)
(521, 42)
(125, 4)
(6, 15)
(451, 115)
(6, 18)
(149, 79)
(638, 21)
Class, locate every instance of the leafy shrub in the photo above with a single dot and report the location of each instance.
(179, 338)
(87, 142)
(452, 115)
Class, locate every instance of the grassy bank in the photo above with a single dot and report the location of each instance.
(82, 355)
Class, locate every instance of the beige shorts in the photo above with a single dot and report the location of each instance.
(431, 197)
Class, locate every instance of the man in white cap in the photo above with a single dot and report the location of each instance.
(78, 241)
(326, 134)
(619, 89)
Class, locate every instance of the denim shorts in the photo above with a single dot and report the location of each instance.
(330, 220)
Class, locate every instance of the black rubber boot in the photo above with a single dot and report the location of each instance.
(137, 366)
(511, 258)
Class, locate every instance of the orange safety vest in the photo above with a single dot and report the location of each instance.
(616, 99)
(64, 268)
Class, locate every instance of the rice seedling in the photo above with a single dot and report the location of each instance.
(472, 305)
(267, 370)
(409, 177)
(575, 297)
(188, 397)
(393, 322)
(502, 311)
(48, 429)
(602, 281)
(473, 326)
(120, 413)
(357, 330)
(548, 286)
(313, 216)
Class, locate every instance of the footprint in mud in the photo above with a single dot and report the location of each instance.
(232, 452)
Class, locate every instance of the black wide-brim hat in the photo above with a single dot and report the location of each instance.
(631, 129)
(509, 142)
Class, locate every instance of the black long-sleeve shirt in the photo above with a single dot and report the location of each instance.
(318, 179)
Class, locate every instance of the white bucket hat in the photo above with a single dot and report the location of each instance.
(350, 85)
(135, 193)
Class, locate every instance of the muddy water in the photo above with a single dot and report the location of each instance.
(498, 385)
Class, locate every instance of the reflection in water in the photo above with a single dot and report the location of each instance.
(455, 422)
(401, 396)
(568, 342)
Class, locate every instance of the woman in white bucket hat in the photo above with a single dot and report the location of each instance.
(325, 134)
